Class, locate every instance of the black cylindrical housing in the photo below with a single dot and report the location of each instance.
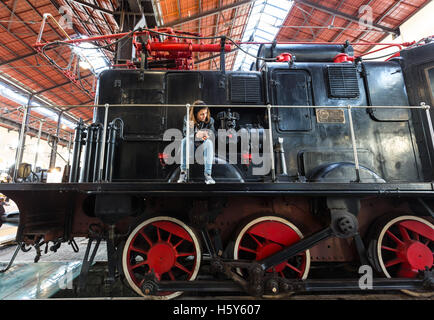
(97, 152)
(90, 141)
(76, 154)
(111, 141)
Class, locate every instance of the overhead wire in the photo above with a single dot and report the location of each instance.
(151, 31)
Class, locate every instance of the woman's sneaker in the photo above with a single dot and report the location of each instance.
(182, 177)
(209, 179)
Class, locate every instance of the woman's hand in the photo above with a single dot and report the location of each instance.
(202, 135)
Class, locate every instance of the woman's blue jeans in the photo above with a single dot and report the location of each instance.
(208, 155)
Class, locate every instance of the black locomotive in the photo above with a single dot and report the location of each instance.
(349, 177)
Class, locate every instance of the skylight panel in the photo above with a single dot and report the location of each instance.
(14, 96)
(258, 6)
(261, 27)
(283, 4)
(259, 39)
(53, 116)
(273, 11)
(91, 57)
(23, 100)
(267, 36)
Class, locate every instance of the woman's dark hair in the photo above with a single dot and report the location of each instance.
(196, 107)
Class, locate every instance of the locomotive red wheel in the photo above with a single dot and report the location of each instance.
(267, 235)
(164, 245)
(404, 246)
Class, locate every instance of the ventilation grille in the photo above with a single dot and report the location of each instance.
(246, 89)
(343, 82)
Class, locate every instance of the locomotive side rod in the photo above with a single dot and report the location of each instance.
(343, 225)
(298, 247)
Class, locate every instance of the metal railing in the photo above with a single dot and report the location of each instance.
(268, 108)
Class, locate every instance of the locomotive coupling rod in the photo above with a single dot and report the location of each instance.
(295, 248)
(198, 286)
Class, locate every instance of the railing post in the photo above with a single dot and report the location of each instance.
(41, 122)
(353, 141)
(187, 143)
(69, 149)
(428, 118)
(104, 138)
(54, 152)
(270, 137)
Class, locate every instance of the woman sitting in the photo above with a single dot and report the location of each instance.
(201, 127)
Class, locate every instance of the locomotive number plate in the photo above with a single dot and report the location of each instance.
(330, 116)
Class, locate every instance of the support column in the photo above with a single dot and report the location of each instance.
(55, 142)
(22, 138)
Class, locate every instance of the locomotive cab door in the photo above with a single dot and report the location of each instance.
(292, 87)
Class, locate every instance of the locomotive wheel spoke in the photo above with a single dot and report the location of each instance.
(158, 234)
(185, 254)
(389, 249)
(139, 250)
(394, 238)
(176, 245)
(180, 266)
(140, 264)
(256, 240)
(393, 262)
(293, 268)
(172, 277)
(247, 249)
(142, 233)
(404, 233)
